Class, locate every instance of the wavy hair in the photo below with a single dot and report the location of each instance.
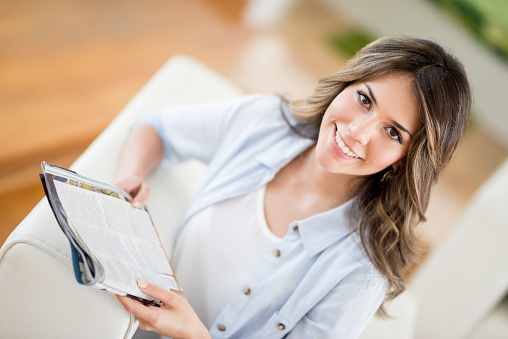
(387, 211)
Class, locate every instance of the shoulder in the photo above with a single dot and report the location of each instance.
(361, 275)
(229, 107)
(267, 100)
(365, 270)
(259, 100)
(258, 115)
(351, 254)
(366, 273)
(260, 106)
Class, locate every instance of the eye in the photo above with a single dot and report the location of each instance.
(394, 134)
(364, 100)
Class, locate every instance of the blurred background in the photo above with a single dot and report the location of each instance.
(67, 68)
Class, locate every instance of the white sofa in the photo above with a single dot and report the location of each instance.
(466, 277)
(39, 297)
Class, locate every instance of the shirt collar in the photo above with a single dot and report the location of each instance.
(320, 231)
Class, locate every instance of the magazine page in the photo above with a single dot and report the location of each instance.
(83, 263)
(121, 238)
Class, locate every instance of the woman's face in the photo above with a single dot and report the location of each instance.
(368, 126)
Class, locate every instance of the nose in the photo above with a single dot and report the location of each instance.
(361, 128)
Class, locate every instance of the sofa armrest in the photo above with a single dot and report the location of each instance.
(40, 297)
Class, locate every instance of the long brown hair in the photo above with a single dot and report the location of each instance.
(388, 210)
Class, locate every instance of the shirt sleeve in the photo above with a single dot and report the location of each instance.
(196, 131)
(345, 311)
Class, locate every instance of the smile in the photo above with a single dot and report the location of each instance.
(343, 146)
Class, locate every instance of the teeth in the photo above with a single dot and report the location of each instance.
(343, 146)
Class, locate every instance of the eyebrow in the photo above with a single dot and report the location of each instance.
(371, 93)
(399, 126)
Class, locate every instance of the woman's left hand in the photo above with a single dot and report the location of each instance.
(175, 318)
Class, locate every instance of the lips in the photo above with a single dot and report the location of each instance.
(345, 150)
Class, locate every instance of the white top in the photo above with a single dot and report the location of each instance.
(218, 248)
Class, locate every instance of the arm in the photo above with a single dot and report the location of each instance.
(141, 153)
(175, 318)
(177, 133)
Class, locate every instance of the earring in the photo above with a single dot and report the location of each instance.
(388, 176)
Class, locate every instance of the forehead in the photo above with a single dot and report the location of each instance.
(397, 82)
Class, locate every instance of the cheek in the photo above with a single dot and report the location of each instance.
(339, 110)
(387, 155)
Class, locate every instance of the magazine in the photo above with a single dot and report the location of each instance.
(113, 244)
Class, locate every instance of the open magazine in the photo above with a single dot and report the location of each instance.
(112, 244)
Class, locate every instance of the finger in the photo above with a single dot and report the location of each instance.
(129, 184)
(131, 305)
(125, 301)
(167, 297)
(134, 307)
(141, 196)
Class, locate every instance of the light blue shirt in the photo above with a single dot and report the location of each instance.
(322, 285)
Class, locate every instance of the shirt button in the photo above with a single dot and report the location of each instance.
(281, 326)
(221, 327)
(296, 230)
(246, 291)
(276, 253)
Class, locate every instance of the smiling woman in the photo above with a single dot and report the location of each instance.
(426, 94)
(305, 221)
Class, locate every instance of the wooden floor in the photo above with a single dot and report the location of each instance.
(68, 67)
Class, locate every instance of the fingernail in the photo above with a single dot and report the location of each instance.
(136, 204)
(142, 284)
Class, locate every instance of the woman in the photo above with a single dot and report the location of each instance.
(305, 221)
